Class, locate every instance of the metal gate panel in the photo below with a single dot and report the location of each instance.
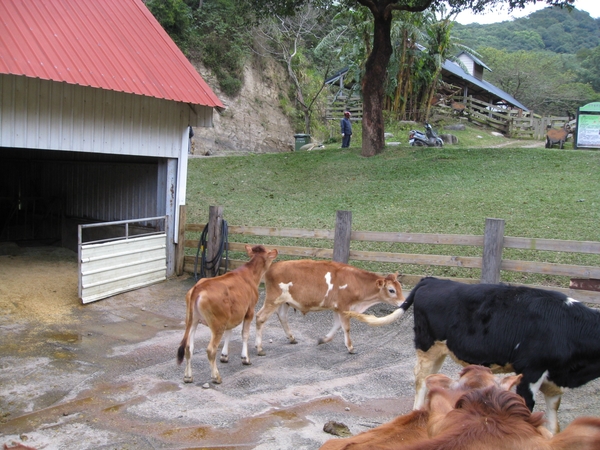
(113, 266)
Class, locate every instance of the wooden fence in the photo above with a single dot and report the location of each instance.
(514, 123)
(534, 127)
(492, 243)
(344, 102)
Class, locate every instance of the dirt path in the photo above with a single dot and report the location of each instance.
(104, 376)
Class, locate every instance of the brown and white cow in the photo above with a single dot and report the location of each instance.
(308, 285)
(222, 303)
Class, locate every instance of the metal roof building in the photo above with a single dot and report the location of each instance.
(473, 83)
(97, 104)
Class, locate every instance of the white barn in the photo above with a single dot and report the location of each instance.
(97, 104)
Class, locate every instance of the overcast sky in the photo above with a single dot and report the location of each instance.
(499, 15)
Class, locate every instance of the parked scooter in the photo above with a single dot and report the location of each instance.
(427, 139)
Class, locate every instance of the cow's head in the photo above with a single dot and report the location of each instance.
(390, 290)
(259, 251)
(444, 392)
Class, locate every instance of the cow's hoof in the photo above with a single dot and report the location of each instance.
(320, 341)
(261, 353)
(352, 351)
(246, 362)
(293, 341)
(216, 380)
(188, 379)
(224, 358)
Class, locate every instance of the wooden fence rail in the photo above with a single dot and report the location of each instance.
(492, 243)
(513, 123)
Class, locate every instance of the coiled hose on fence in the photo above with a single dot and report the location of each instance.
(211, 268)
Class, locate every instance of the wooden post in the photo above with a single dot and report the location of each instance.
(341, 239)
(493, 239)
(180, 250)
(213, 238)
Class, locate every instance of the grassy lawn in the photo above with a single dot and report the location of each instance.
(540, 193)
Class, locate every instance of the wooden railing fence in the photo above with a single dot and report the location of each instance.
(514, 123)
(534, 127)
(344, 102)
(492, 243)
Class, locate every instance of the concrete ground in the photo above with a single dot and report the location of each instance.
(104, 376)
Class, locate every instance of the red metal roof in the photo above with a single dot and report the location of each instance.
(109, 44)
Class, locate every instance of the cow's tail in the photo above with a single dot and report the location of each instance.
(181, 351)
(385, 320)
(189, 317)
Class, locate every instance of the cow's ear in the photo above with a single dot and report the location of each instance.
(438, 380)
(273, 253)
(249, 250)
(380, 283)
(440, 402)
(507, 383)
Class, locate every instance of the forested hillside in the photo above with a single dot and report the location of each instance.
(551, 29)
(549, 60)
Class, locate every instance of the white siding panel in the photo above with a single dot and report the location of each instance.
(109, 268)
(44, 111)
(46, 115)
(20, 114)
(468, 63)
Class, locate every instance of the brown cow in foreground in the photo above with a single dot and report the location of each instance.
(222, 303)
(475, 413)
(419, 425)
(308, 285)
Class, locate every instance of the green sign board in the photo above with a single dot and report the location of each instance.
(591, 107)
(588, 126)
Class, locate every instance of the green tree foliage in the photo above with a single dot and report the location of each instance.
(552, 29)
(590, 69)
(293, 41)
(214, 31)
(422, 43)
(539, 80)
(175, 16)
(223, 31)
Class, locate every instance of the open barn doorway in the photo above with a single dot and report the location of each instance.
(46, 195)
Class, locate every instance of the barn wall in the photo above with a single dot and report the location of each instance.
(71, 154)
(40, 114)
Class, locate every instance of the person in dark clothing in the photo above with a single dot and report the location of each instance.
(346, 126)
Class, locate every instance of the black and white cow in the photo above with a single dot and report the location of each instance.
(553, 340)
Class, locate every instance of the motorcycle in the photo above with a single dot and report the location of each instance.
(427, 139)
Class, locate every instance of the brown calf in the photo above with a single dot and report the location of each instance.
(458, 108)
(222, 303)
(308, 285)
